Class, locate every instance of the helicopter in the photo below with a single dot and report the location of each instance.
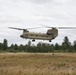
(51, 33)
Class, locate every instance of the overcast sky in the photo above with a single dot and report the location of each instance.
(32, 13)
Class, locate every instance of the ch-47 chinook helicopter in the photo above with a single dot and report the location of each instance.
(51, 33)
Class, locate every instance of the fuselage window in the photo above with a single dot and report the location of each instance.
(26, 35)
(31, 35)
(46, 36)
(43, 35)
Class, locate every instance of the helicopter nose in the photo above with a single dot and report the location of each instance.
(21, 36)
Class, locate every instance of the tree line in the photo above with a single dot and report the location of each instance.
(66, 46)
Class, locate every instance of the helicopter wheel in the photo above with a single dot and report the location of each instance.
(33, 40)
(49, 40)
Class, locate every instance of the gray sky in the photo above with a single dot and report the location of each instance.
(32, 13)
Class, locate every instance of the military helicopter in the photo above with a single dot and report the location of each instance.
(51, 33)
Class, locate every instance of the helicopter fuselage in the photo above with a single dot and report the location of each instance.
(50, 35)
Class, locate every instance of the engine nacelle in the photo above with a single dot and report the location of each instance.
(53, 32)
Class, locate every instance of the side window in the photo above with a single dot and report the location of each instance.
(46, 36)
(26, 34)
(43, 35)
(31, 35)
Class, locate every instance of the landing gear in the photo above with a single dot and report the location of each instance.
(33, 40)
(49, 40)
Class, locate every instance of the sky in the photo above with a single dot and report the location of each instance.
(33, 13)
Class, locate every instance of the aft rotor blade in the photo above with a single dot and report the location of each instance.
(63, 27)
(46, 26)
(60, 27)
(66, 27)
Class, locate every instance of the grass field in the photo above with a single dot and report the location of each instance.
(37, 64)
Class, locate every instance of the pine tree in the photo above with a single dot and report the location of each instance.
(29, 43)
(56, 46)
(74, 47)
(66, 44)
(16, 47)
(1, 46)
(5, 44)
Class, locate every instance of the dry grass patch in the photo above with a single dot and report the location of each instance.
(37, 64)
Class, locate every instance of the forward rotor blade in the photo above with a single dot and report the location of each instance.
(24, 29)
(35, 28)
(16, 28)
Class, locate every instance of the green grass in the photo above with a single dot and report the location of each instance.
(37, 64)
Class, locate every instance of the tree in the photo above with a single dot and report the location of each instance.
(66, 44)
(56, 46)
(5, 44)
(22, 48)
(12, 46)
(16, 47)
(52, 48)
(1, 46)
(39, 46)
(29, 43)
(74, 45)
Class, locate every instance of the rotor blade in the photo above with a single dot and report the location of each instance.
(66, 27)
(35, 28)
(60, 27)
(24, 29)
(45, 26)
(16, 28)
